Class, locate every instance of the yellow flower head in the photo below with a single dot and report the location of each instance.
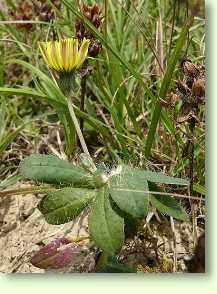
(64, 55)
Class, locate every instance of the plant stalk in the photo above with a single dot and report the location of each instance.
(82, 100)
(77, 127)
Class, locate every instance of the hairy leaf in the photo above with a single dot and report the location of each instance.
(51, 169)
(62, 206)
(168, 205)
(159, 177)
(105, 225)
(128, 192)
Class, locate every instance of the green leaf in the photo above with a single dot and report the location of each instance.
(51, 169)
(168, 205)
(159, 177)
(105, 225)
(62, 206)
(128, 192)
(58, 105)
(21, 91)
(166, 84)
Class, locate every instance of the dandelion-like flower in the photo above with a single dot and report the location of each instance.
(64, 56)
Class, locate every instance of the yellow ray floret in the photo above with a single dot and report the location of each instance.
(64, 55)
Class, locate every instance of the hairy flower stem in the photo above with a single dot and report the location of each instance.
(77, 127)
(82, 100)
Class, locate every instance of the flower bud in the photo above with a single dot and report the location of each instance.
(183, 88)
(95, 9)
(198, 88)
(93, 14)
(189, 69)
(94, 48)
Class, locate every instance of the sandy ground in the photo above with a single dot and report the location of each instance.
(23, 231)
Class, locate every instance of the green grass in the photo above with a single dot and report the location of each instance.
(124, 116)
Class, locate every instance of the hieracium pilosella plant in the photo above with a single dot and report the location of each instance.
(111, 198)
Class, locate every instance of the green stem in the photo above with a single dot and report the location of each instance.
(83, 94)
(77, 127)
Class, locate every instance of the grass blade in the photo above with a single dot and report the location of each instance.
(166, 84)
